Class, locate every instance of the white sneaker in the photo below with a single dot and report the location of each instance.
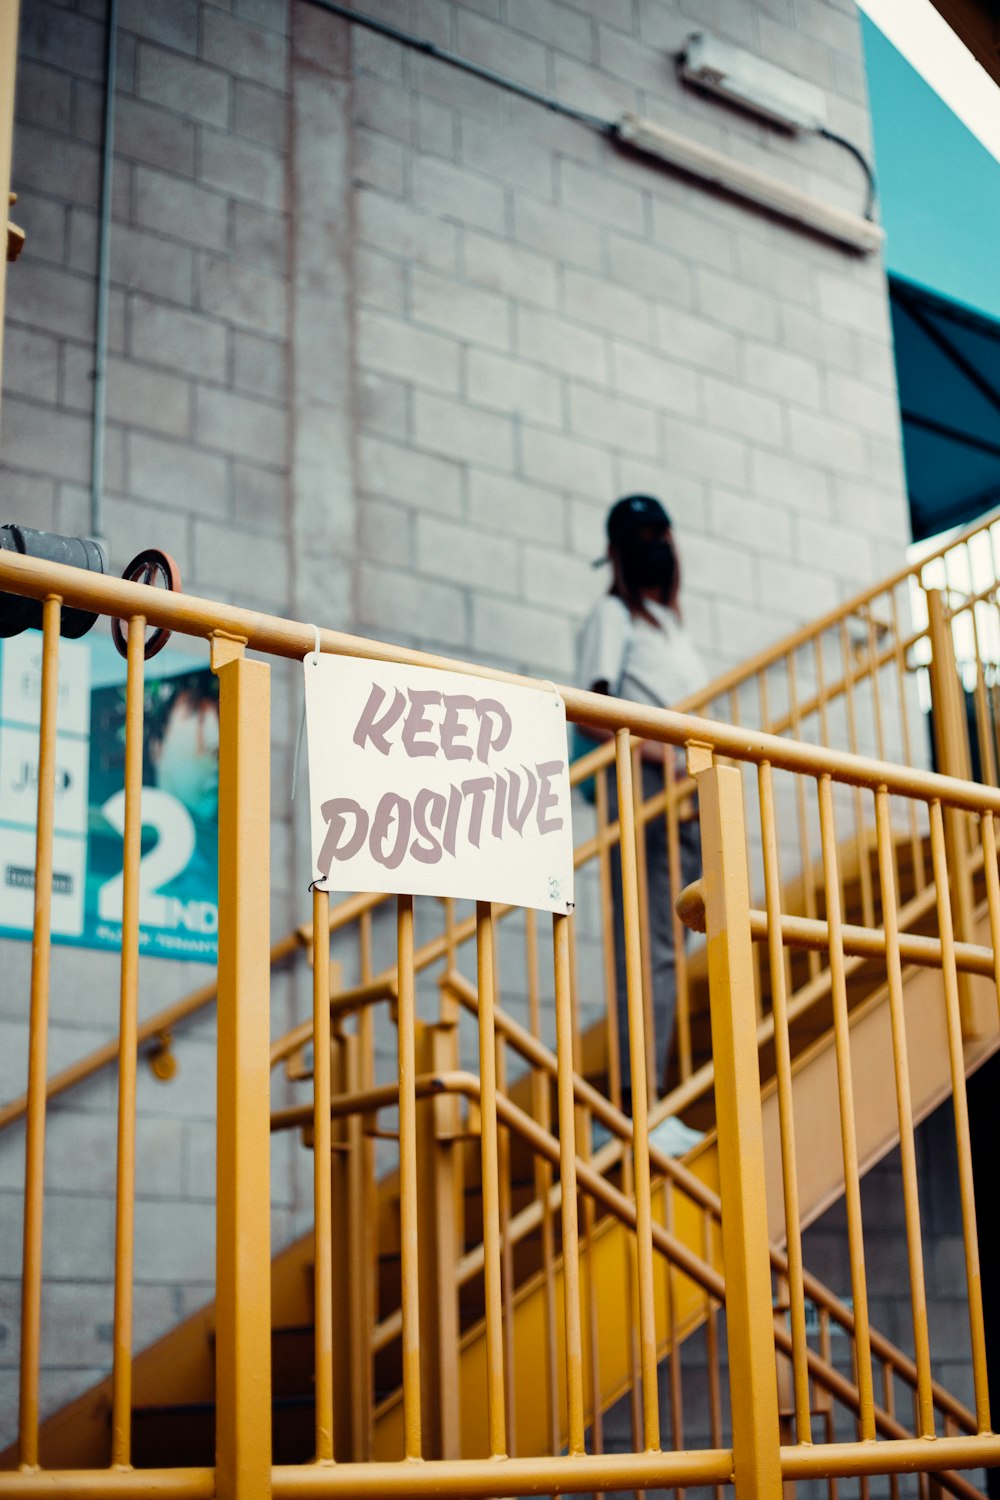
(674, 1138)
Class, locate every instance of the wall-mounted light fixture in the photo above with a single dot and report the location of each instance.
(753, 83)
(788, 102)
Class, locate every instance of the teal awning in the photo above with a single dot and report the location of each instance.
(948, 369)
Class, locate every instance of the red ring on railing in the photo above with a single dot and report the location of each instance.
(152, 567)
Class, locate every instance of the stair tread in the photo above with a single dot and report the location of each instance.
(190, 1408)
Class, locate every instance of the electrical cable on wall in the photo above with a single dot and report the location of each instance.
(652, 140)
(455, 60)
(866, 166)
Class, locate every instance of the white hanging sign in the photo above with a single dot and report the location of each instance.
(425, 782)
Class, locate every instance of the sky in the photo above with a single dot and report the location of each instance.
(928, 43)
(936, 122)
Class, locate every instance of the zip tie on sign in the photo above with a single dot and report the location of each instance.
(310, 656)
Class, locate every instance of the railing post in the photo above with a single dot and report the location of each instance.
(343, 1220)
(749, 1309)
(438, 1154)
(951, 734)
(243, 1149)
(358, 1269)
(951, 746)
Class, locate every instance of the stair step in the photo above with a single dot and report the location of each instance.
(293, 1359)
(171, 1436)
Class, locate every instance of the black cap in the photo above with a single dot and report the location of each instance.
(629, 514)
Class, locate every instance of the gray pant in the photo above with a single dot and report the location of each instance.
(661, 925)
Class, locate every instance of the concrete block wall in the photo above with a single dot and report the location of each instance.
(545, 321)
(197, 462)
(196, 382)
(385, 343)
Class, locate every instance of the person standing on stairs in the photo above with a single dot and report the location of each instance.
(634, 645)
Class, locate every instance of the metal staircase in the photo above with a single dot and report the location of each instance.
(880, 911)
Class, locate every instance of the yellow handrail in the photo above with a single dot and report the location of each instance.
(264, 632)
(959, 824)
(770, 655)
(916, 950)
(667, 1245)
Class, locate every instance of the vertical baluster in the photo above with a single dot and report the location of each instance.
(635, 1395)
(758, 963)
(712, 1349)
(645, 948)
(673, 1335)
(987, 756)
(829, 1421)
(845, 1093)
(765, 721)
(583, 1135)
(822, 700)
(864, 868)
(121, 1397)
(608, 940)
(542, 1110)
(961, 1111)
(495, 1393)
(358, 1255)
(889, 1402)
(34, 1167)
(408, 1227)
(805, 854)
(367, 1310)
(450, 945)
(821, 693)
(322, 1188)
(993, 534)
(593, 1329)
(873, 674)
(989, 838)
(637, 1049)
(948, 560)
(682, 1022)
(953, 757)
(907, 1151)
(916, 842)
(783, 1069)
(567, 1176)
(506, 1248)
(763, 702)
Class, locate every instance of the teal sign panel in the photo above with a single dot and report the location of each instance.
(178, 872)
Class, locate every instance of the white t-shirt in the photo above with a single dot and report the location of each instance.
(637, 660)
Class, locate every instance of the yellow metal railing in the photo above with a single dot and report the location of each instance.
(685, 1188)
(871, 660)
(947, 821)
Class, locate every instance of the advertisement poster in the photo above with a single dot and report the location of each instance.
(178, 873)
(433, 783)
